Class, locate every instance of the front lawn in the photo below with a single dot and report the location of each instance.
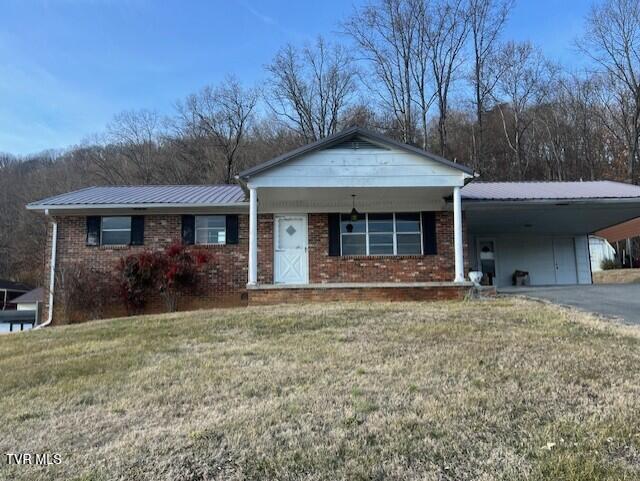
(505, 389)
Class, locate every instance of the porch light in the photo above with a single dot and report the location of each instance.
(354, 213)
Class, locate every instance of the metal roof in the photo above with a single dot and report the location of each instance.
(157, 195)
(623, 231)
(347, 134)
(34, 295)
(523, 191)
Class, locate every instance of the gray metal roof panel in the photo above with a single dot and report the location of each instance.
(339, 137)
(148, 194)
(522, 191)
(34, 295)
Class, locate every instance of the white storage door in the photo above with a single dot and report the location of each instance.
(564, 255)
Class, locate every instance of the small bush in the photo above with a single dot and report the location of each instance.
(170, 274)
(136, 279)
(86, 292)
(176, 273)
(609, 264)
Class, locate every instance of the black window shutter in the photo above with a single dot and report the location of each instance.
(93, 230)
(429, 236)
(232, 229)
(137, 230)
(334, 234)
(188, 229)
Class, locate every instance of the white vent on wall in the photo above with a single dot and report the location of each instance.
(357, 144)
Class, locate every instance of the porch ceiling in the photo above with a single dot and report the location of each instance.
(584, 217)
(338, 199)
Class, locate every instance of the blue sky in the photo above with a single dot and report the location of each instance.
(67, 66)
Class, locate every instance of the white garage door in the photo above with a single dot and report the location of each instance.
(548, 260)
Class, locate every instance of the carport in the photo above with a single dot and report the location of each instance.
(541, 228)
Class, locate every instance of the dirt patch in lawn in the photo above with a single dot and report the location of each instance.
(502, 389)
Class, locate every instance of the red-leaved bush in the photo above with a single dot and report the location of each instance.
(170, 273)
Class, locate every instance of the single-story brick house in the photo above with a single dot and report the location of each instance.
(354, 216)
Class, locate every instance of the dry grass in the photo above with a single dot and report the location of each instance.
(486, 390)
(617, 276)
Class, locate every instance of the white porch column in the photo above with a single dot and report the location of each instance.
(253, 237)
(457, 235)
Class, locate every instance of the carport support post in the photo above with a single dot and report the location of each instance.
(457, 235)
(253, 237)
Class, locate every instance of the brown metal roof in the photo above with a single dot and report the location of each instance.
(619, 232)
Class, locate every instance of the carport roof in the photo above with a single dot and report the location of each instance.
(524, 191)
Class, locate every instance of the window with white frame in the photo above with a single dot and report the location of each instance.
(115, 230)
(381, 234)
(210, 229)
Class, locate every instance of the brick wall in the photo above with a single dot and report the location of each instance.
(265, 249)
(224, 280)
(227, 275)
(291, 296)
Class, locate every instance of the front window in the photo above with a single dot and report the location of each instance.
(211, 229)
(381, 234)
(115, 231)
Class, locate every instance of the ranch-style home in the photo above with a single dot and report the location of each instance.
(354, 216)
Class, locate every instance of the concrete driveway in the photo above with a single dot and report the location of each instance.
(620, 301)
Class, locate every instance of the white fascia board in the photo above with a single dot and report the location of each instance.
(358, 182)
(486, 204)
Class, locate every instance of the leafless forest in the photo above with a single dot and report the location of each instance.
(439, 74)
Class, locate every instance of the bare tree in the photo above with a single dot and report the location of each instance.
(612, 40)
(222, 116)
(486, 21)
(421, 68)
(523, 84)
(311, 88)
(136, 135)
(386, 34)
(447, 32)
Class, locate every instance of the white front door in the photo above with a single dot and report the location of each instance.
(564, 255)
(290, 257)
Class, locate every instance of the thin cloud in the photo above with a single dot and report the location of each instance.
(260, 16)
